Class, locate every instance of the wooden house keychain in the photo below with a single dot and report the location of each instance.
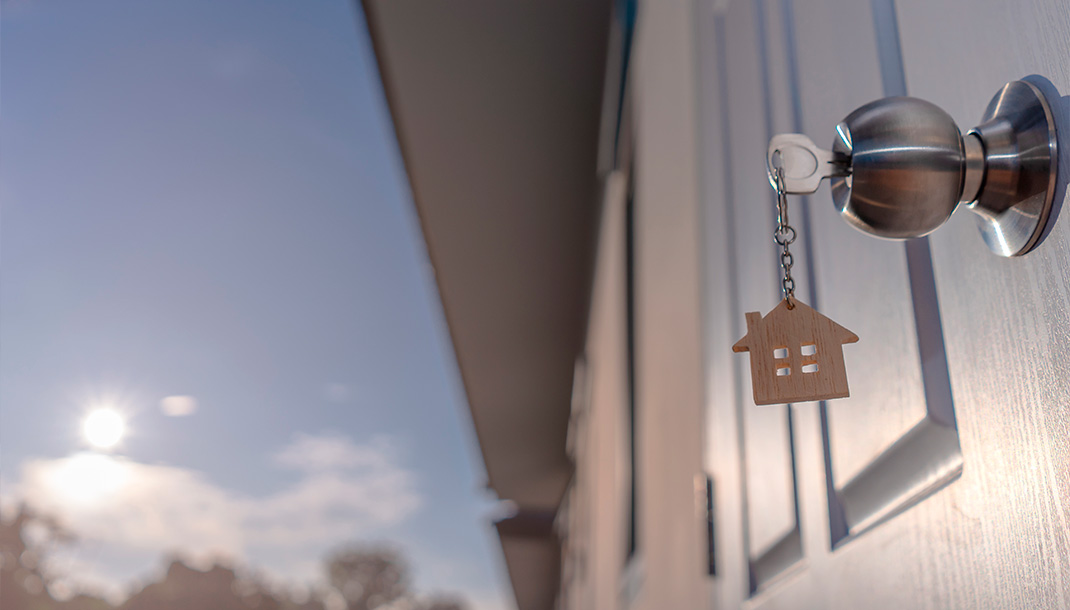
(796, 354)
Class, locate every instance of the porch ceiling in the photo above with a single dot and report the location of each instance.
(496, 107)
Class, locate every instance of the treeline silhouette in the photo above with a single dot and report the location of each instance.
(360, 578)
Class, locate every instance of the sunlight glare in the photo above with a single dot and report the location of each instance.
(88, 478)
(104, 428)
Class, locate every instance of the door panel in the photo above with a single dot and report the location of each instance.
(1007, 321)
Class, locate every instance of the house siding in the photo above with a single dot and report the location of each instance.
(670, 567)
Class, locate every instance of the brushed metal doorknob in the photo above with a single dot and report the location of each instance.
(899, 167)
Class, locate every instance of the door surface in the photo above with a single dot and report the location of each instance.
(944, 480)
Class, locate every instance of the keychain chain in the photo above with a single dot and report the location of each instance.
(784, 235)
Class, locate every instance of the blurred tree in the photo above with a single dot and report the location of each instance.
(366, 577)
(219, 588)
(25, 542)
(184, 587)
(84, 602)
(443, 603)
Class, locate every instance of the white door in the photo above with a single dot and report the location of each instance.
(944, 480)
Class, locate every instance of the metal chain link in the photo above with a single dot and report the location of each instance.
(784, 235)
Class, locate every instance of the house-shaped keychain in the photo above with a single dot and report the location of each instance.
(796, 355)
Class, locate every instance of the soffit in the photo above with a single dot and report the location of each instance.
(496, 107)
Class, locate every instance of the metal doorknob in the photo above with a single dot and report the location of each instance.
(899, 167)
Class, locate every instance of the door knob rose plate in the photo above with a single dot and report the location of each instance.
(899, 167)
(1021, 165)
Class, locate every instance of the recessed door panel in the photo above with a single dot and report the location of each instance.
(863, 283)
(725, 386)
(893, 440)
(766, 436)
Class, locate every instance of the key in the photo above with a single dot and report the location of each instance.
(805, 165)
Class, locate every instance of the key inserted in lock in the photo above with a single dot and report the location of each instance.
(804, 163)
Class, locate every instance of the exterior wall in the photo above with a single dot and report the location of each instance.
(669, 369)
(669, 569)
(596, 509)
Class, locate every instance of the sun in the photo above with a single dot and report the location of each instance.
(103, 428)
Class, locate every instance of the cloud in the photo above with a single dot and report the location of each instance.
(136, 511)
(328, 452)
(178, 406)
(139, 506)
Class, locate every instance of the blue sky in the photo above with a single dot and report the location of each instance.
(205, 199)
